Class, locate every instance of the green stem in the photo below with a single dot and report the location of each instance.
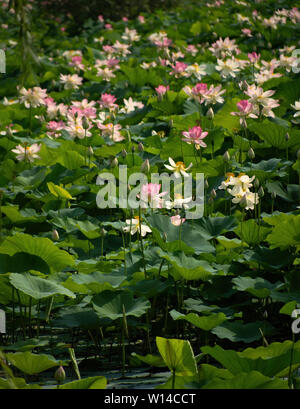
(173, 379)
(290, 379)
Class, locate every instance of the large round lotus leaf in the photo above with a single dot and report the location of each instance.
(31, 364)
(114, 304)
(95, 382)
(37, 287)
(42, 247)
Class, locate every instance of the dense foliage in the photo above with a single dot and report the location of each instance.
(212, 88)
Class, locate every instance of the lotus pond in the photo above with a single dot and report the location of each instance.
(97, 293)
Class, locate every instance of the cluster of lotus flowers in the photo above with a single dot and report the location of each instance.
(150, 194)
(80, 117)
(239, 187)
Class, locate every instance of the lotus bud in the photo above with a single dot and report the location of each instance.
(85, 123)
(226, 156)
(261, 192)
(287, 136)
(132, 149)
(165, 236)
(90, 151)
(273, 195)
(298, 154)
(213, 194)
(102, 232)
(141, 147)
(60, 375)
(171, 123)
(55, 235)
(145, 167)
(206, 185)
(210, 113)
(256, 183)
(114, 163)
(124, 153)
(9, 132)
(251, 153)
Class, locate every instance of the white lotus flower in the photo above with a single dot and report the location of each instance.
(71, 81)
(178, 168)
(27, 153)
(135, 226)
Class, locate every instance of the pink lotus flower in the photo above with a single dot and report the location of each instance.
(100, 18)
(49, 101)
(141, 19)
(112, 131)
(177, 220)
(164, 43)
(55, 126)
(191, 49)
(125, 19)
(107, 101)
(150, 193)
(247, 32)
(253, 57)
(108, 49)
(161, 90)
(246, 110)
(108, 26)
(112, 62)
(195, 135)
(179, 69)
(199, 90)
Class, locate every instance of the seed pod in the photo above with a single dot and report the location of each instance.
(226, 156)
(55, 235)
(251, 153)
(60, 375)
